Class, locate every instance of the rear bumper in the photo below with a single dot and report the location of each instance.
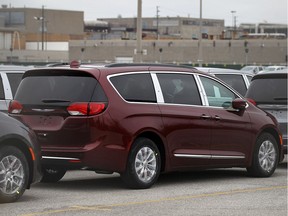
(100, 158)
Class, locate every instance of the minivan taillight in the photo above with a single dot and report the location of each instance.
(15, 107)
(86, 109)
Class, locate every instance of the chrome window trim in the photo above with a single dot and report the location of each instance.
(128, 73)
(157, 87)
(222, 83)
(202, 92)
(162, 101)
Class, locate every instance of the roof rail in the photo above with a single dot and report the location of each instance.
(147, 64)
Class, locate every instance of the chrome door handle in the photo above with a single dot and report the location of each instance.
(205, 116)
(217, 118)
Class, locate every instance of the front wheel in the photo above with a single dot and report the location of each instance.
(144, 164)
(265, 156)
(14, 174)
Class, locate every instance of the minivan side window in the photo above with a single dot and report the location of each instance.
(217, 94)
(179, 89)
(135, 87)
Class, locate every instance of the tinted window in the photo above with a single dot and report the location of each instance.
(14, 80)
(2, 95)
(135, 87)
(179, 89)
(268, 91)
(217, 94)
(235, 81)
(49, 89)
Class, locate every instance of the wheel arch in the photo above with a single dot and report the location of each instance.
(159, 143)
(276, 135)
(22, 146)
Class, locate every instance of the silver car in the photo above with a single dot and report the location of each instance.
(239, 80)
(268, 91)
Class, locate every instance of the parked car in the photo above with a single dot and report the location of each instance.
(10, 77)
(252, 69)
(19, 159)
(239, 80)
(140, 121)
(272, 68)
(269, 92)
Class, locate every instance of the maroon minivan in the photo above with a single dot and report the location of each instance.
(141, 120)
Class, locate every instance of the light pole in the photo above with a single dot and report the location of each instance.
(157, 17)
(139, 32)
(233, 26)
(200, 60)
(42, 19)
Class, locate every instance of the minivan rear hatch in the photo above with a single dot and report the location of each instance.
(57, 104)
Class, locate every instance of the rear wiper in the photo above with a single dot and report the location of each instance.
(54, 101)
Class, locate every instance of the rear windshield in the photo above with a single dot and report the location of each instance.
(58, 89)
(268, 91)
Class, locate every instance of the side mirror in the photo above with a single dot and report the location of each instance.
(239, 104)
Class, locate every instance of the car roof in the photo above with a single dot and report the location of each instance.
(272, 74)
(14, 68)
(110, 69)
(222, 70)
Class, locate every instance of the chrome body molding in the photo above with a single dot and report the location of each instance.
(210, 156)
(59, 158)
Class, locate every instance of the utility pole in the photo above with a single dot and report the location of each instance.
(200, 57)
(157, 17)
(233, 24)
(42, 30)
(139, 32)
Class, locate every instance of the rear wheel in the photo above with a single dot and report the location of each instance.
(14, 174)
(144, 165)
(265, 156)
(52, 174)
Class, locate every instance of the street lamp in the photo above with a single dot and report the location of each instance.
(200, 38)
(139, 32)
(39, 19)
(42, 19)
(233, 26)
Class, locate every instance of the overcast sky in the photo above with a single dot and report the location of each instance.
(247, 11)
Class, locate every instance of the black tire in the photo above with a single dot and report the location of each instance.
(265, 156)
(52, 174)
(14, 174)
(142, 150)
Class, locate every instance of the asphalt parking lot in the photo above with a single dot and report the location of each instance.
(211, 192)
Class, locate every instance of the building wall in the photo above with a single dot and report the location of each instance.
(261, 52)
(59, 25)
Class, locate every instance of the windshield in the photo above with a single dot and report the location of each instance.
(247, 68)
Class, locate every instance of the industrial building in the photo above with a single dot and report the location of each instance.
(45, 35)
(39, 29)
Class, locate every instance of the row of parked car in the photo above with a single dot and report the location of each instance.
(138, 120)
(261, 69)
